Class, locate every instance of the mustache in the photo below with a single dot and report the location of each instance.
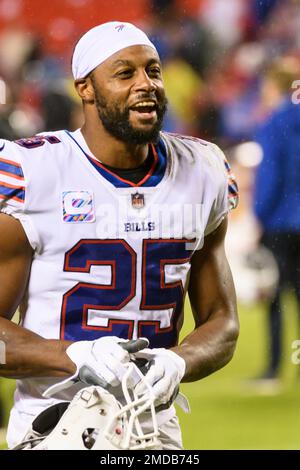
(161, 101)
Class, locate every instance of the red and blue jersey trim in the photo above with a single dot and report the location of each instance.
(233, 189)
(152, 178)
(10, 168)
(10, 191)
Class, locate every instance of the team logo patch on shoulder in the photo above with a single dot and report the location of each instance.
(78, 206)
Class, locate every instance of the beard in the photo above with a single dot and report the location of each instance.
(116, 120)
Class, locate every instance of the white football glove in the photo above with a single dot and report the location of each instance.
(99, 362)
(164, 375)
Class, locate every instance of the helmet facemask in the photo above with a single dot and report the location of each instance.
(96, 420)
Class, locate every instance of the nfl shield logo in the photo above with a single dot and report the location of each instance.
(137, 200)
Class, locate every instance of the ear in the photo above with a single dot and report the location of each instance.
(85, 89)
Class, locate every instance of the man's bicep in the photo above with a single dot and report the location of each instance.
(15, 262)
(211, 288)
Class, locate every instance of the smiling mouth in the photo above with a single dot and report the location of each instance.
(145, 109)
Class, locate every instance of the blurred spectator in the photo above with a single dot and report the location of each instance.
(262, 9)
(277, 193)
(176, 72)
(6, 130)
(57, 109)
(228, 20)
(6, 108)
(176, 33)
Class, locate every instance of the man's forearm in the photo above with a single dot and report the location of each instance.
(27, 354)
(208, 348)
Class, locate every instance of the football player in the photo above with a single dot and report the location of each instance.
(103, 231)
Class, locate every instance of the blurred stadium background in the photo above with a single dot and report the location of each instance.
(215, 55)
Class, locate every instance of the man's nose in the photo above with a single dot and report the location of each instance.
(144, 82)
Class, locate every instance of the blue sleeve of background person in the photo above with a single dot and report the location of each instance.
(262, 9)
(269, 172)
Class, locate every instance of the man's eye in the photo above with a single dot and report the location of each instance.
(124, 73)
(155, 71)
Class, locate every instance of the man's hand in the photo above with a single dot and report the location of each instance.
(100, 362)
(165, 373)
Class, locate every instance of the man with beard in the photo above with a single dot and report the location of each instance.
(103, 231)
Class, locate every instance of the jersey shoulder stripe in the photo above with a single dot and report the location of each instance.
(12, 179)
(233, 189)
(12, 192)
(11, 168)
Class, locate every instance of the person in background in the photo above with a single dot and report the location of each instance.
(277, 194)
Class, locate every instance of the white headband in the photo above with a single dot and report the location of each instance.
(101, 42)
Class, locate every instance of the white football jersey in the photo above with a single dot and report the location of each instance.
(110, 257)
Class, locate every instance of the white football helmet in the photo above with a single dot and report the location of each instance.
(96, 420)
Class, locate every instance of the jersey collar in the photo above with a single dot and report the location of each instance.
(152, 178)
